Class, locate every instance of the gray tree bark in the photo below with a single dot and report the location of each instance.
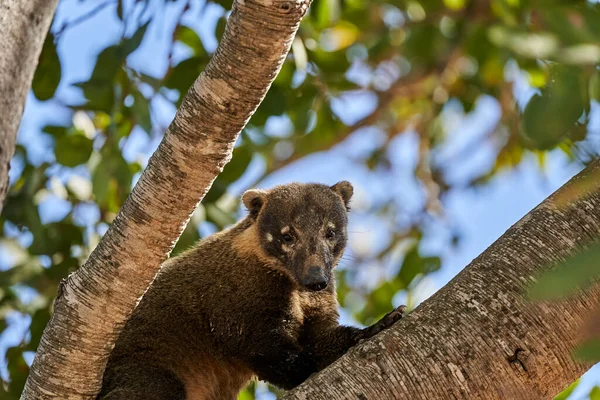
(94, 303)
(478, 337)
(23, 28)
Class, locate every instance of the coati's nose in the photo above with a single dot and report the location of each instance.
(315, 279)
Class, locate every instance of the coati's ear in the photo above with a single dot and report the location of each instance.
(345, 190)
(253, 200)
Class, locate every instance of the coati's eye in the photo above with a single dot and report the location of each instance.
(330, 234)
(288, 238)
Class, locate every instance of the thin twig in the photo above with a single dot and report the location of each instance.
(83, 17)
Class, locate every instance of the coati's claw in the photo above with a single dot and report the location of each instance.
(391, 317)
(388, 320)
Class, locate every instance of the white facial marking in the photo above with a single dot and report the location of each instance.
(269, 237)
(331, 225)
(285, 230)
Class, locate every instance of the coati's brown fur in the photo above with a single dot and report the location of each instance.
(255, 300)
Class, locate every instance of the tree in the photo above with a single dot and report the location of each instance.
(23, 27)
(479, 337)
(94, 303)
(381, 83)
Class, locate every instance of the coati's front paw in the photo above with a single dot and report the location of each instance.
(388, 320)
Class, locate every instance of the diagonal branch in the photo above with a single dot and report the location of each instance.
(478, 337)
(94, 302)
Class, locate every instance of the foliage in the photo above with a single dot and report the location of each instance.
(574, 274)
(420, 60)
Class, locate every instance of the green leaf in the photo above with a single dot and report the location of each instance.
(218, 217)
(330, 62)
(190, 38)
(274, 104)
(141, 110)
(576, 272)
(411, 266)
(17, 368)
(186, 240)
(73, 150)
(60, 236)
(220, 28)
(48, 72)
(108, 63)
(549, 116)
(567, 392)
(233, 171)
(100, 95)
(595, 393)
(379, 302)
(226, 4)
(131, 44)
(424, 43)
(111, 180)
(56, 131)
(595, 86)
(589, 351)
(39, 320)
(240, 159)
(248, 392)
(120, 9)
(325, 12)
(182, 76)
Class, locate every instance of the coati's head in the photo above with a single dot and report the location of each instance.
(303, 227)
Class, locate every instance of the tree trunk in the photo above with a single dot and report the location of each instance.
(478, 337)
(94, 303)
(23, 28)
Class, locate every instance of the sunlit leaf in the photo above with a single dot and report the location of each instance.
(338, 37)
(595, 393)
(567, 392)
(455, 4)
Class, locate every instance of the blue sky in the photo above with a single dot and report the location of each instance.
(482, 215)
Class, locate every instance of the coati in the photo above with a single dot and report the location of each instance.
(255, 300)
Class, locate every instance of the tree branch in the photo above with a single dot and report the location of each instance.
(478, 337)
(93, 303)
(23, 28)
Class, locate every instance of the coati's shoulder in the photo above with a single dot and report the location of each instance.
(232, 252)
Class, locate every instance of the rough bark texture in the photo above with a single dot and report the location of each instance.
(94, 303)
(23, 28)
(478, 337)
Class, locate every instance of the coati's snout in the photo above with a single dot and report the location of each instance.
(315, 279)
(302, 227)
